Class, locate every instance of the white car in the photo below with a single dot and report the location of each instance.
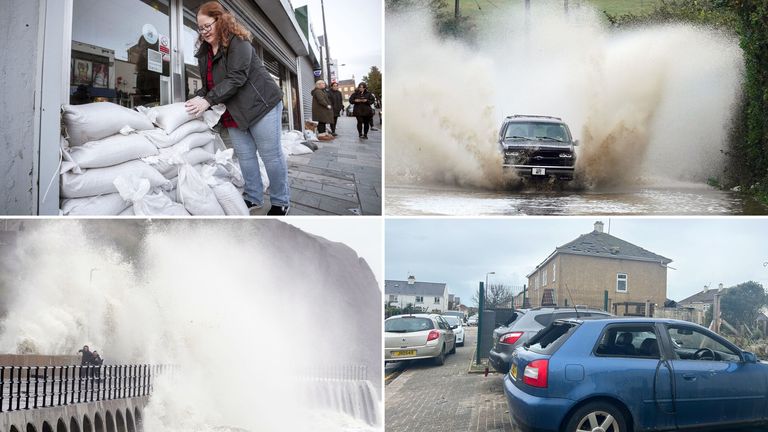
(457, 327)
(472, 321)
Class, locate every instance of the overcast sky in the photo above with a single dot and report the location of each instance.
(354, 33)
(364, 235)
(705, 251)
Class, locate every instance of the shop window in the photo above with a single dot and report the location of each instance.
(120, 52)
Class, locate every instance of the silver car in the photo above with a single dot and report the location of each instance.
(418, 336)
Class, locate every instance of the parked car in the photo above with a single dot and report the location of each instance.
(472, 321)
(457, 327)
(527, 323)
(635, 374)
(538, 147)
(418, 336)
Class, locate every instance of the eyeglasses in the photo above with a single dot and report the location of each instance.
(206, 27)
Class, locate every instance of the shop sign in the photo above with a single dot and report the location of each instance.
(154, 61)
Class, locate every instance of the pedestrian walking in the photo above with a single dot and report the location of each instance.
(233, 74)
(337, 101)
(321, 106)
(362, 99)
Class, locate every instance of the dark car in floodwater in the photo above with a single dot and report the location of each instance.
(634, 374)
(538, 147)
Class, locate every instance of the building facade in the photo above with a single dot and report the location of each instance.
(423, 296)
(130, 52)
(600, 271)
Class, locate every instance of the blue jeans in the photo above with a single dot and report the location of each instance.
(263, 138)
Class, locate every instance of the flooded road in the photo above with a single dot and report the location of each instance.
(679, 200)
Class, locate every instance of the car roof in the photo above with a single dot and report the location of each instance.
(418, 315)
(533, 118)
(629, 320)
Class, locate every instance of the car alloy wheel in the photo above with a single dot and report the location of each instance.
(597, 417)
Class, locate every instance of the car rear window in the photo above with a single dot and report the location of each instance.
(548, 340)
(452, 320)
(546, 318)
(408, 325)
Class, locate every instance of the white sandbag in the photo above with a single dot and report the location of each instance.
(310, 135)
(159, 138)
(112, 150)
(224, 159)
(295, 148)
(127, 212)
(230, 199)
(98, 120)
(195, 194)
(103, 205)
(168, 117)
(194, 140)
(99, 181)
(168, 161)
(136, 190)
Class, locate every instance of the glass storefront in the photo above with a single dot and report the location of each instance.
(120, 52)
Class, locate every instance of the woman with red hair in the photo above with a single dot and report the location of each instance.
(234, 75)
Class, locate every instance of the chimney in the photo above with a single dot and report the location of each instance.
(599, 226)
(411, 280)
(706, 288)
(719, 287)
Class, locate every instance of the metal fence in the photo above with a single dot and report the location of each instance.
(32, 387)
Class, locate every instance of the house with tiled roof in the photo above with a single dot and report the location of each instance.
(600, 271)
(426, 296)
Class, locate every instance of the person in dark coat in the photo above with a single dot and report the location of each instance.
(86, 360)
(337, 101)
(233, 74)
(321, 106)
(362, 100)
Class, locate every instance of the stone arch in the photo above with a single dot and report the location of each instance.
(47, 427)
(119, 420)
(14, 428)
(139, 421)
(61, 426)
(31, 428)
(73, 426)
(129, 421)
(87, 426)
(98, 423)
(109, 420)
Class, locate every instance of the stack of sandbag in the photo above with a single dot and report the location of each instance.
(294, 143)
(102, 144)
(119, 163)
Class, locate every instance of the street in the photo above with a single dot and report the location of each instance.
(687, 200)
(425, 397)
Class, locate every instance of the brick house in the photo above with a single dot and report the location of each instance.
(597, 265)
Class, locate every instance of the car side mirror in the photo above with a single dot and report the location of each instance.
(575, 142)
(749, 357)
(454, 327)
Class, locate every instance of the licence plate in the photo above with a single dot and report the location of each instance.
(538, 171)
(513, 372)
(403, 353)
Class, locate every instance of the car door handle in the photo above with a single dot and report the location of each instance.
(689, 377)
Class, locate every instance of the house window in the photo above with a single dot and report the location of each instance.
(392, 298)
(437, 300)
(553, 271)
(419, 299)
(621, 282)
(544, 277)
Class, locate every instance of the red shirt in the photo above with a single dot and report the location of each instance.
(226, 118)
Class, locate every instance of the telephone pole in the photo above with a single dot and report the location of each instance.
(327, 47)
(457, 10)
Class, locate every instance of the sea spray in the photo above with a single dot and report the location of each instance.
(240, 308)
(650, 104)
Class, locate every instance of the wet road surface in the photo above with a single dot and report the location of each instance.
(679, 200)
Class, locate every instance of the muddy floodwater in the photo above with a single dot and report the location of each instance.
(689, 200)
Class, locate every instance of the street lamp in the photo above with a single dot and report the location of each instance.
(486, 278)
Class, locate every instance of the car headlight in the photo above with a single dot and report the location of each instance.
(566, 155)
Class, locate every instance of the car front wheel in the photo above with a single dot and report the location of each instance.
(597, 417)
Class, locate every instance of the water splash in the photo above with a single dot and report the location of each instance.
(646, 103)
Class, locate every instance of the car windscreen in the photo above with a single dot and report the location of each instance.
(549, 339)
(537, 131)
(452, 320)
(408, 325)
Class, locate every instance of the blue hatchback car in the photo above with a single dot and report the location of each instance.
(633, 374)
